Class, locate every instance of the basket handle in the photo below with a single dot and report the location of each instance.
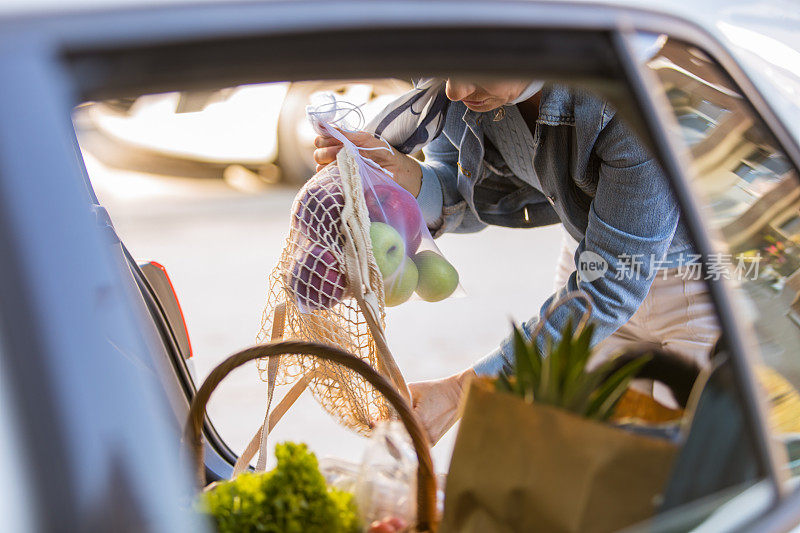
(426, 483)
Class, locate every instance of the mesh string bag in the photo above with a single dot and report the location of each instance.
(331, 291)
(327, 286)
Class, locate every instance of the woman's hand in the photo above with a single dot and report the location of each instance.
(436, 402)
(405, 169)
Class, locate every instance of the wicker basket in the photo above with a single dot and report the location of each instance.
(426, 483)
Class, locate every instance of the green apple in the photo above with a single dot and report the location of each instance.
(388, 247)
(437, 278)
(400, 286)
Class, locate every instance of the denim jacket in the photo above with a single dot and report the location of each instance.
(596, 179)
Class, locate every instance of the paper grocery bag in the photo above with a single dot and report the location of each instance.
(523, 467)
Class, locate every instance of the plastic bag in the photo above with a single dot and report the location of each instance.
(339, 473)
(409, 260)
(403, 249)
(387, 481)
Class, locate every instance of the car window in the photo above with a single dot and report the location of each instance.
(751, 198)
(204, 187)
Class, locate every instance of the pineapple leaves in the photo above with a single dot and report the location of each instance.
(543, 389)
(559, 377)
(575, 375)
(528, 365)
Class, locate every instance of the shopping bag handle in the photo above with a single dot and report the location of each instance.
(426, 483)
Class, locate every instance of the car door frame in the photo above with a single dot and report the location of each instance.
(111, 53)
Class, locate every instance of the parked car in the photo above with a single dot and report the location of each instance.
(95, 381)
(260, 127)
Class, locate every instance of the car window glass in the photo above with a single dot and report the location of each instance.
(751, 197)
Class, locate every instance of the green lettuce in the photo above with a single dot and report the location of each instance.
(292, 498)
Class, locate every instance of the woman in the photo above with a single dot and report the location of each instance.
(520, 154)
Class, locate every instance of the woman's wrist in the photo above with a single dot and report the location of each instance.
(410, 177)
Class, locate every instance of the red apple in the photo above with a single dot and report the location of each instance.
(317, 279)
(318, 210)
(393, 205)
